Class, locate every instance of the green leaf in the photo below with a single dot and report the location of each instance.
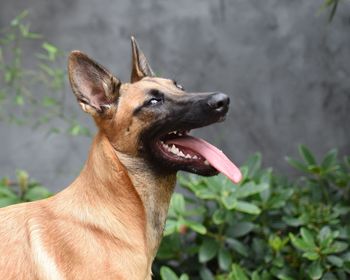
(253, 164)
(49, 101)
(170, 247)
(170, 227)
(241, 229)
(238, 246)
(5, 191)
(336, 261)
(19, 100)
(259, 247)
(77, 129)
(282, 274)
(255, 276)
(184, 277)
(307, 155)
(244, 171)
(312, 256)
(336, 247)
(8, 76)
(219, 216)
(229, 201)
(23, 180)
(35, 193)
(300, 243)
(315, 270)
(24, 29)
(333, 10)
(315, 169)
(197, 227)
(278, 200)
(206, 274)
(277, 243)
(206, 194)
(208, 250)
(6, 201)
(18, 19)
(330, 276)
(51, 50)
(324, 233)
(33, 35)
(249, 189)
(178, 203)
(237, 273)
(307, 237)
(297, 164)
(167, 274)
(224, 259)
(247, 207)
(329, 159)
(47, 69)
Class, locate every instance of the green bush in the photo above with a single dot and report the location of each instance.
(266, 227)
(34, 95)
(21, 190)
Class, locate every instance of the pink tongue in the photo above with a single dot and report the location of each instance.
(212, 154)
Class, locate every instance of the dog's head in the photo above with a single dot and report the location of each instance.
(150, 117)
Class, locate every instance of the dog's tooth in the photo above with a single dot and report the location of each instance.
(174, 150)
(206, 162)
(182, 154)
(195, 157)
(188, 156)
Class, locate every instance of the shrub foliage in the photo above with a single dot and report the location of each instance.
(21, 190)
(266, 227)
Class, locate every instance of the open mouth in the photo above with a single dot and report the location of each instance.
(193, 154)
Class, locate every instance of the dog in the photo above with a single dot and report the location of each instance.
(109, 222)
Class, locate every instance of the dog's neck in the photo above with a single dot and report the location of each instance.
(155, 191)
(120, 195)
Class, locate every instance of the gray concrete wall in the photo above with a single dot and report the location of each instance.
(286, 70)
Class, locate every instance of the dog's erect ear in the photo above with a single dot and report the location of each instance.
(140, 66)
(93, 85)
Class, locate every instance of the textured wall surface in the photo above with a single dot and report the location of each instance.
(287, 72)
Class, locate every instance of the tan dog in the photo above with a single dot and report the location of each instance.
(108, 223)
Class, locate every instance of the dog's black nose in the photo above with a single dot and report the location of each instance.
(219, 102)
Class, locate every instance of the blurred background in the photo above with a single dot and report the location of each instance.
(285, 65)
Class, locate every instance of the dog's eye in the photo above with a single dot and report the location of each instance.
(154, 101)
